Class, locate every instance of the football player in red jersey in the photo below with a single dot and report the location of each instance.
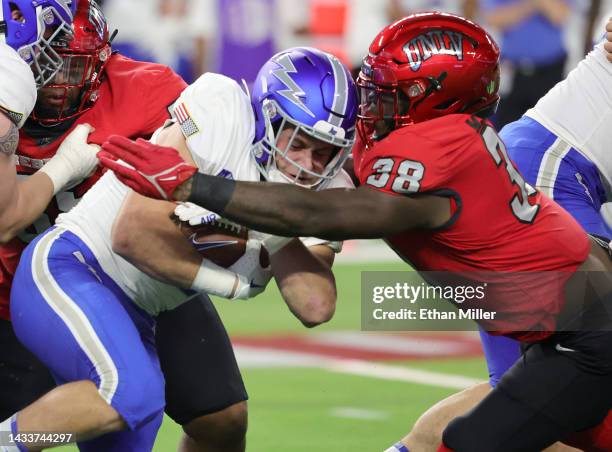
(116, 94)
(431, 169)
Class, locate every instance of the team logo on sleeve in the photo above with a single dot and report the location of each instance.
(187, 124)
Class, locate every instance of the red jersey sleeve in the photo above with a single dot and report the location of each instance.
(161, 87)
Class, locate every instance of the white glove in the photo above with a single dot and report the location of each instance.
(74, 160)
(253, 278)
(194, 214)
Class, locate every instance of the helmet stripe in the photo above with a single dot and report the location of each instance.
(340, 92)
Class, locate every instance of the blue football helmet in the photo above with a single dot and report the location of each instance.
(309, 91)
(30, 26)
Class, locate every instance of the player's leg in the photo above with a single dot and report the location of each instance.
(559, 171)
(142, 437)
(23, 378)
(559, 386)
(204, 389)
(80, 324)
(426, 434)
(500, 353)
(544, 397)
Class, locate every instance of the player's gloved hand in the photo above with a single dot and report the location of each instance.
(74, 160)
(194, 214)
(151, 170)
(253, 278)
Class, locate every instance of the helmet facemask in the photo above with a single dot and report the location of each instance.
(384, 107)
(73, 89)
(43, 59)
(268, 152)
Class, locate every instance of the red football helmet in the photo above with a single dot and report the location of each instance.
(425, 66)
(74, 89)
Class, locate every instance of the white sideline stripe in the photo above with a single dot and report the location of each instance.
(397, 373)
(389, 343)
(255, 357)
(359, 413)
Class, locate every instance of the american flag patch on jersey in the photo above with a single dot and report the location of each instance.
(183, 117)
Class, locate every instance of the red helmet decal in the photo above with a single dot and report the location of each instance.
(432, 43)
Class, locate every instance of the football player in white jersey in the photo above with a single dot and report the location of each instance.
(87, 312)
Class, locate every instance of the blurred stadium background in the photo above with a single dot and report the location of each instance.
(333, 388)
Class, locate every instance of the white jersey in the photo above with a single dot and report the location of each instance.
(579, 110)
(216, 118)
(17, 87)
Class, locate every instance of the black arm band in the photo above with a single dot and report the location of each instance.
(212, 192)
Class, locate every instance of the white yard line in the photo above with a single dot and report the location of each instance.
(255, 357)
(400, 373)
(363, 414)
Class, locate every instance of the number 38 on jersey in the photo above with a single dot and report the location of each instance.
(407, 178)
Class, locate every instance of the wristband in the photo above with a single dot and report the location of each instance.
(211, 192)
(215, 280)
(58, 172)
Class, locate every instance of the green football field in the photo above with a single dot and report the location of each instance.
(314, 407)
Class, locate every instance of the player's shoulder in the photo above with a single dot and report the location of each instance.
(211, 86)
(215, 98)
(142, 73)
(431, 139)
(445, 129)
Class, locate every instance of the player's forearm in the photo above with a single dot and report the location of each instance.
(24, 203)
(145, 235)
(288, 210)
(508, 16)
(306, 283)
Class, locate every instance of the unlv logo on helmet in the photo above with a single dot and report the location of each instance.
(437, 42)
(97, 20)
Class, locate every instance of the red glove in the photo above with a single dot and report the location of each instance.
(152, 170)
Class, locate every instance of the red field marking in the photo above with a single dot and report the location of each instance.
(432, 346)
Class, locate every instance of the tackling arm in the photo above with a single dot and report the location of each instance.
(337, 214)
(279, 209)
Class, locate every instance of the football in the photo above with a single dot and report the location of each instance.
(221, 241)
